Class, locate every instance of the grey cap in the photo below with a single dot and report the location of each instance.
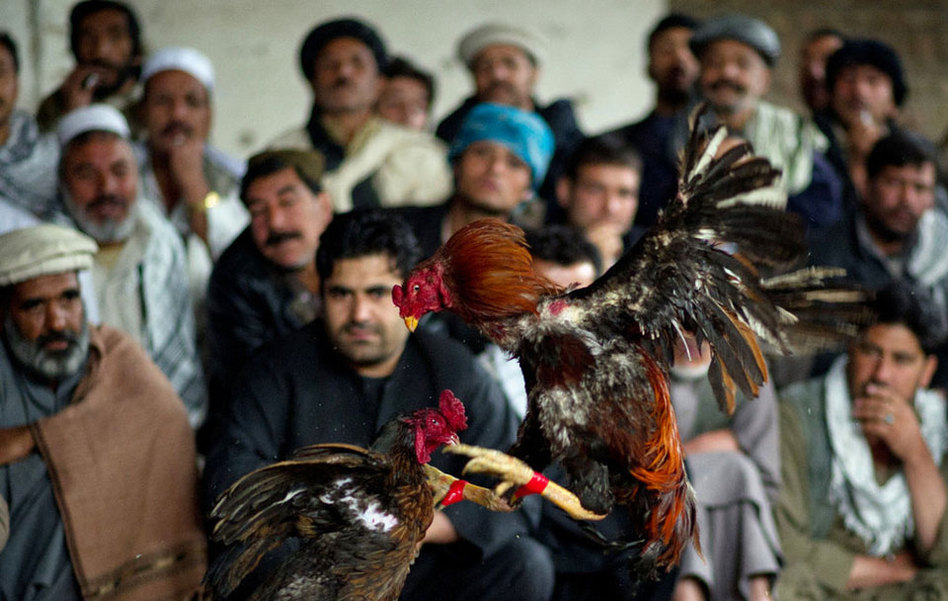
(747, 30)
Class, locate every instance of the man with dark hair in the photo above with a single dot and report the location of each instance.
(599, 194)
(817, 48)
(862, 509)
(344, 375)
(105, 39)
(369, 162)
(564, 255)
(407, 95)
(896, 232)
(673, 69)
(26, 157)
(505, 62)
(265, 284)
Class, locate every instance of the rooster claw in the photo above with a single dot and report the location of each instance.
(515, 473)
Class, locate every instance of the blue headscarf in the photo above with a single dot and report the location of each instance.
(526, 135)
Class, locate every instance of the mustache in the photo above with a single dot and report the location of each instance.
(351, 327)
(726, 83)
(500, 86)
(342, 82)
(106, 199)
(69, 337)
(279, 237)
(177, 127)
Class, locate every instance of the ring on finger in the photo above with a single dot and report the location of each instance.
(889, 419)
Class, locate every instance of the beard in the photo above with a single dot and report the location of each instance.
(108, 231)
(49, 365)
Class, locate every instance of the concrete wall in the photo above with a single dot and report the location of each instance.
(597, 56)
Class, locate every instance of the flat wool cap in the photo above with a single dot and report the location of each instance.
(95, 117)
(499, 33)
(326, 32)
(179, 58)
(41, 250)
(741, 28)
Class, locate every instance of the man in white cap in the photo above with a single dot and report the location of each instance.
(140, 271)
(97, 461)
(191, 182)
(504, 61)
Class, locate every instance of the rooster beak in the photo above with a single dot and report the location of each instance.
(455, 439)
(411, 323)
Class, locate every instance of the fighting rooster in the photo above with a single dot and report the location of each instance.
(595, 359)
(358, 513)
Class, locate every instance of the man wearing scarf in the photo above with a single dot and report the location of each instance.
(862, 510)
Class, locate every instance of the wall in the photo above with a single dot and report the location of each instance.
(596, 58)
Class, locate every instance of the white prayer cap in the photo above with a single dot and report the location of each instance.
(95, 117)
(178, 58)
(45, 249)
(531, 41)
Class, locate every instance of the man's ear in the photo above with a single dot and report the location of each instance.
(769, 79)
(928, 372)
(564, 189)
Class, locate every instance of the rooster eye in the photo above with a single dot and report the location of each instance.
(415, 288)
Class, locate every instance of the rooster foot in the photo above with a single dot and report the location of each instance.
(515, 473)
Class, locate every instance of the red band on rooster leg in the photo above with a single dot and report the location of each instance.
(455, 493)
(535, 486)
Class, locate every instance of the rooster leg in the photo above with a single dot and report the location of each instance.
(445, 485)
(514, 472)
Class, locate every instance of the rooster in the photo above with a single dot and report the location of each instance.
(719, 263)
(360, 514)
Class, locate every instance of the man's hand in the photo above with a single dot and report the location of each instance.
(441, 531)
(890, 419)
(186, 162)
(875, 571)
(79, 86)
(15, 444)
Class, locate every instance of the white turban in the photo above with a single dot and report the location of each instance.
(489, 34)
(95, 117)
(177, 58)
(44, 249)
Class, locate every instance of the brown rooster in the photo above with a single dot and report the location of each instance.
(595, 359)
(359, 514)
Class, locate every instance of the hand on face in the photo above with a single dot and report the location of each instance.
(887, 417)
(186, 161)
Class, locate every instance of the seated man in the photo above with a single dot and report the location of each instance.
(191, 182)
(97, 460)
(599, 194)
(265, 284)
(862, 509)
(106, 40)
(369, 162)
(140, 272)
(407, 95)
(343, 376)
(27, 158)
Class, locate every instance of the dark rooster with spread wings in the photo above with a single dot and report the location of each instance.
(359, 514)
(595, 359)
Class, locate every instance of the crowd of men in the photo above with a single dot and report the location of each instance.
(175, 317)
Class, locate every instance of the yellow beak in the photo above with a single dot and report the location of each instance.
(411, 323)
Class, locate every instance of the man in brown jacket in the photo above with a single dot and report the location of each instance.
(97, 459)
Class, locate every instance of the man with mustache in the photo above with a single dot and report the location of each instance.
(369, 161)
(673, 69)
(896, 232)
(97, 460)
(140, 271)
(504, 62)
(736, 54)
(105, 39)
(265, 284)
(190, 181)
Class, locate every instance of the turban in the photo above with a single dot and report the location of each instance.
(498, 33)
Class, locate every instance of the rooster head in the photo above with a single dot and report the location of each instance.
(424, 291)
(436, 427)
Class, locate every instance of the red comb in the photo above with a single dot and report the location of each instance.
(453, 410)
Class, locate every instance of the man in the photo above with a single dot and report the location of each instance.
(504, 62)
(369, 162)
(407, 95)
(896, 233)
(188, 180)
(105, 39)
(343, 376)
(26, 157)
(140, 272)
(866, 85)
(599, 193)
(862, 509)
(265, 284)
(673, 69)
(817, 47)
(97, 460)
(736, 54)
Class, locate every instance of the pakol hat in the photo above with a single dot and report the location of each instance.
(95, 117)
(178, 58)
(741, 28)
(499, 33)
(43, 250)
(326, 32)
(873, 53)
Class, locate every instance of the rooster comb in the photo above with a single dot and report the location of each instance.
(453, 410)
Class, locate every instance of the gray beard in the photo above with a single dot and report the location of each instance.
(54, 366)
(111, 230)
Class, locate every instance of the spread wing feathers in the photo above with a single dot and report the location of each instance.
(702, 267)
(289, 498)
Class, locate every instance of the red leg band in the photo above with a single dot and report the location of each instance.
(535, 486)
(455, 493)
